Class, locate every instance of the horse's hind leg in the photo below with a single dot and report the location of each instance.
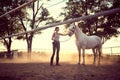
(99, 56)
(94, 53)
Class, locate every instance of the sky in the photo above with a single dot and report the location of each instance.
(43, 41)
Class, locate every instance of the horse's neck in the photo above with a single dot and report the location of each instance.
(79, 34)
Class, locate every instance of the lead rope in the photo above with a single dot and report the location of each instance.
(66, 39)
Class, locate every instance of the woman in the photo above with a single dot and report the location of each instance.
(56, 45)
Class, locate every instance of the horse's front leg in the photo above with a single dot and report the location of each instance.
(79, 55)
(83, 56)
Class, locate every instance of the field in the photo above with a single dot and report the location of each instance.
(38, 68)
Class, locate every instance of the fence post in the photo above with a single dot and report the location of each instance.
(111, 50)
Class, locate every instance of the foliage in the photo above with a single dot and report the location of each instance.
(103, 26)
(9, 24)
(34, 15)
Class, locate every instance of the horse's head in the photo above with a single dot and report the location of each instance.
(71, 29)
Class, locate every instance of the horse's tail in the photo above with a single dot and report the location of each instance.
(101, 53)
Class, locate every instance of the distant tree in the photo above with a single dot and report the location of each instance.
(34, 14)
(100, 26)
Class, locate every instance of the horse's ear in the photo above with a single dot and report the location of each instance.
(78, 25)
(74, 23)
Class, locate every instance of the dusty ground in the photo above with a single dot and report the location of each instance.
(38, 68)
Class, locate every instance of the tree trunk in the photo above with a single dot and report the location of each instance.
(8, 46)
(29, 50)
(29, 45)
(9, 54)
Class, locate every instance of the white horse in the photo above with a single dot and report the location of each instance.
(86, 42)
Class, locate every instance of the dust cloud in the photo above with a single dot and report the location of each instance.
(43, 57)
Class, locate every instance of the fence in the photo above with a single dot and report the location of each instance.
(112, 50)
(103, 13)
(106, 50)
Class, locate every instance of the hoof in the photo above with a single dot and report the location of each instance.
(78, 63)
(99, 64)
(83, 64)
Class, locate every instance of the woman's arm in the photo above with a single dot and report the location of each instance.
(53, 36)
(63, 34)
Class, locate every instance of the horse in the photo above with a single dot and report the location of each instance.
(86, 42)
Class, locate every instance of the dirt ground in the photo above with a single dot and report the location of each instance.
(38, 68)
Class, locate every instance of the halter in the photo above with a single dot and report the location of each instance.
(71, 31)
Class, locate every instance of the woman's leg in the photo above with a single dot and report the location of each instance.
(52, 57)
(57, 55)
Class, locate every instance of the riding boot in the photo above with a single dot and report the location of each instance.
(51, 61)
(57, 61)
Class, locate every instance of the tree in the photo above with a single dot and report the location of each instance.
(100, 26)
(34, 14)
(10, 23)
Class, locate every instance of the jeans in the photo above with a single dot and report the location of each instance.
(56, 49)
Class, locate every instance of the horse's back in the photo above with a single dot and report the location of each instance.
(93, 41)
